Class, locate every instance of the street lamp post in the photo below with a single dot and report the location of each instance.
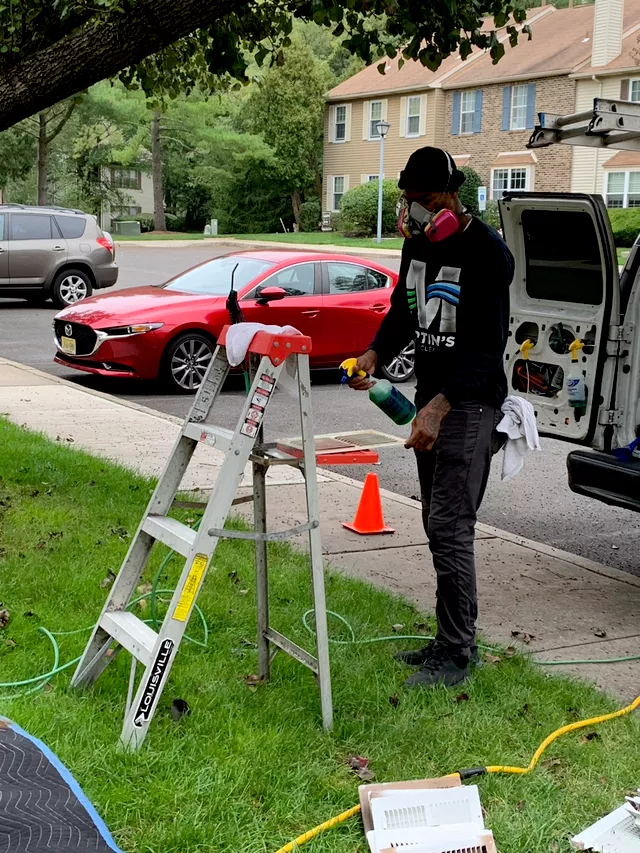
(383, 129)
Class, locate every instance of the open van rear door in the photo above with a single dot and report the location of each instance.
(566, 286)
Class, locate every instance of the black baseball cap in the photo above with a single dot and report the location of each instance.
(431, 170)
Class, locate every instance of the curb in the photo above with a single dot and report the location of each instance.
(493, 532)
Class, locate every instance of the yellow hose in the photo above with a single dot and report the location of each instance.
(302, 839)
(496, 768)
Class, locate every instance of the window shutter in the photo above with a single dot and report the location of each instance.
(332, 124)
(625, 86)
(477, 116)
(385, 105)
(455, 117)
(364, 179)
(366, 112)
(329, 194)
(423, 115)
(347, 129)
(531, 106)
(346, 183)
(506, 108)
(403, 116)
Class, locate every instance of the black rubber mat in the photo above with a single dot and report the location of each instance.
(42, 807)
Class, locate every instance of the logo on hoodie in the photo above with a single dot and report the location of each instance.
(435, 304)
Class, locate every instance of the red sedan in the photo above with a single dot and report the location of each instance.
(169, 331)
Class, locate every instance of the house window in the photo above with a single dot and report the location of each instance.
(467, 111)
(372, 178)
(508, 180)
(414, 108)
(519, 107)
(340, 130)
(126, 179)
(634, 91)
(338, 191)
(375, 117)
(623, 189)
(130, 210)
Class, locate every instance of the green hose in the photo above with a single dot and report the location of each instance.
(423, 637)
(39, 681)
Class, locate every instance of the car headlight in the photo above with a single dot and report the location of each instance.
(127, 331)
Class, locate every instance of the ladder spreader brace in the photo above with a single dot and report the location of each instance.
(610, 124)
(156, 652)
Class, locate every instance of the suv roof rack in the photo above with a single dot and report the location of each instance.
(611, 124)
(55, 207)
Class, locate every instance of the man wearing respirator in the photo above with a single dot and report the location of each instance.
(452, 297)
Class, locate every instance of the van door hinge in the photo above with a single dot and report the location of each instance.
(610, 417)
(622, 334)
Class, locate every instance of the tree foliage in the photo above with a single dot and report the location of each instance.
(287, 110)
(51, 50)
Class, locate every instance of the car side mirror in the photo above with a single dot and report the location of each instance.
(265, 295)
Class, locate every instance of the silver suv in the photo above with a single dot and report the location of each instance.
(53, 253)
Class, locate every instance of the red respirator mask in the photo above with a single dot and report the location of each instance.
(417, 221)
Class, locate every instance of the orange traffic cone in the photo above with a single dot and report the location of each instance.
(369, 520)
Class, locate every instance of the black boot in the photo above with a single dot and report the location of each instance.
(443, 667)
(418, 657)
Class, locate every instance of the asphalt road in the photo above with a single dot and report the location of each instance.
(538, 504)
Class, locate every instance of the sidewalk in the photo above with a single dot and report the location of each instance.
(559, 598)
(247, 245)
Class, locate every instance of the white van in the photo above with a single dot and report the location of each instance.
(566, 287)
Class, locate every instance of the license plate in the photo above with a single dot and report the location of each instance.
(68, 345)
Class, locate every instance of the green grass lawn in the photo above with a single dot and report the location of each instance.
(151, 236)
(316, 238)
(250, 769)
(623, 254)
(331, 238)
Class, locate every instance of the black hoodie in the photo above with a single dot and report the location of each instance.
(453, 298)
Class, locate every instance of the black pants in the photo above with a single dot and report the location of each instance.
(453, 478)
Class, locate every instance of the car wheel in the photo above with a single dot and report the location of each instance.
(70, 286)
(402, 368)
(186, 362)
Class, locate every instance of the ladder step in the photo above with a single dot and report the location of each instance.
(132, 633)
(170, 532)
(213, 436)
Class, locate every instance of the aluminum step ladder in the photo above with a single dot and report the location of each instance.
(269, 355)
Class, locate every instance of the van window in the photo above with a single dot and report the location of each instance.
(71, 227)
(563, 256)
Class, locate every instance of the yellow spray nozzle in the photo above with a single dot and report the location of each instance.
(574, 348)
(350, 367)
(526, 346)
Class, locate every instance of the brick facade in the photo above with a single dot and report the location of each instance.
(552, 171)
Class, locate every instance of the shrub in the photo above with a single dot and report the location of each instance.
(336, 221)
(145, 220)
(625, 225)
(359, 209)
(310, 215)
(469, 190)
(492, 215)
(174, 223)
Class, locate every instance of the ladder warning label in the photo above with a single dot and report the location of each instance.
(190, 589)
(259, 402)
(143, 714)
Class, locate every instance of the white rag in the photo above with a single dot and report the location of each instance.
(519, 425)
(240, 335)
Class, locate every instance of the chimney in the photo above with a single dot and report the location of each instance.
(607, 31)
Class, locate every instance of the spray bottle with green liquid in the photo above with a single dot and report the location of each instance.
(385, 395)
